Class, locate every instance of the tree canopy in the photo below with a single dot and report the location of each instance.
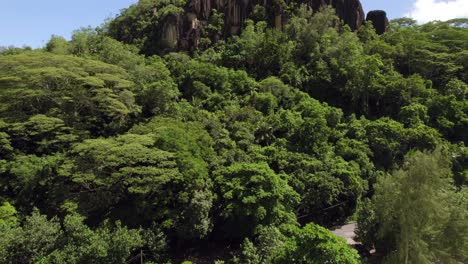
(245, 149)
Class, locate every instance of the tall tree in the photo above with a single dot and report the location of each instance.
(412, 212)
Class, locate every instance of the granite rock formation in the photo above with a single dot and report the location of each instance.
(350, 11)
(237, 11)
(180, 26)
(379, 20)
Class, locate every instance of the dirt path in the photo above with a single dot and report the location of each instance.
(347, 232)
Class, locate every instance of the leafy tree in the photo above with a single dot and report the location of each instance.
(314, 244)
(8, 215)
(234, 140)
(33, 181)
(258, 50)
(331, 194)
(410, 211)
(31, 242)
(85, 94)
(40, 240)
(449, 117)
(252, 195)
(140, 25)
(122, 176)
(156, 98)
(192, 151)
(108, 243)
(5, 142)
(58, 45)
(414, 114)
(41, 134)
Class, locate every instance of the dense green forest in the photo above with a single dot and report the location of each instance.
(246, 149)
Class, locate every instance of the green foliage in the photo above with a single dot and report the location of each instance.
(85, 94)
(449, 116)
(7, 215)
(412, 210)
(109, 243)
(144, 24)
(249, 253)
(258, 50)
(30, 242)
(252, 195)
(33, 181)
(192, 148)
(314, 244)
(223, 151)
(41, 134)
(58, 45)
(268, 241)
(460, 170)
(115, 175)
(40, 240)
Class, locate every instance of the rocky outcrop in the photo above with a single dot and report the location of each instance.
(350, 11)
(317, 4)
(379, 20)
(237, 11)
(184, 31)
(202, 8)
(171, 31)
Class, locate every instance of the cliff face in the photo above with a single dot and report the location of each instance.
(237, 11)
(198, 12)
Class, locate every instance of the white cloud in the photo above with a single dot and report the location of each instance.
(428, 10)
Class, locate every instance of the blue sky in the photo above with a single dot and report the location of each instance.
(32, 22)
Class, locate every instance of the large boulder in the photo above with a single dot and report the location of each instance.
(379, 20)
(350, 11)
